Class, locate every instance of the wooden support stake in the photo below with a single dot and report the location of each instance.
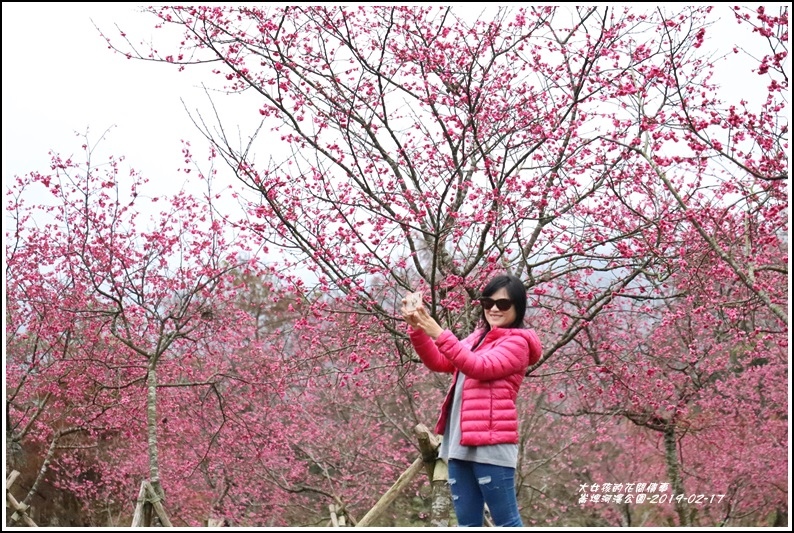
(154, 498)
(19, 511)
(11, 478)
(428, 445)
(147, 501)
(392, 493)
(137, 517)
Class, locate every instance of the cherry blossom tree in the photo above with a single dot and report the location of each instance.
(122, 332)
(94, 295)
(703, 388)
(593, 151)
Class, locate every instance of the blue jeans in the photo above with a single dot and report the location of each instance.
(475, 484)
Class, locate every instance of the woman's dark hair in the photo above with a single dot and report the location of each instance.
(516, 292)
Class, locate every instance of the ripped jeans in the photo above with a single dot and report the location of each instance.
(474, 484)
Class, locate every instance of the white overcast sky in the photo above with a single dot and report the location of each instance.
(59, 77)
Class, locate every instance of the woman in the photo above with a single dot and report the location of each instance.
(478, 418)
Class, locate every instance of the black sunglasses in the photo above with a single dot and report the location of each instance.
(503, 304)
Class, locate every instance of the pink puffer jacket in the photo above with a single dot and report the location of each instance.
(494, 373)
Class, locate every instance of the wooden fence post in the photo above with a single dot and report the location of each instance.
(440, 498)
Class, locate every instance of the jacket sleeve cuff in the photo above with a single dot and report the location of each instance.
(442, 337)
(416, 333)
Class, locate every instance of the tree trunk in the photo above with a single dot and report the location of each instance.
(151, 426)
(671, 458)
(441, 502)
